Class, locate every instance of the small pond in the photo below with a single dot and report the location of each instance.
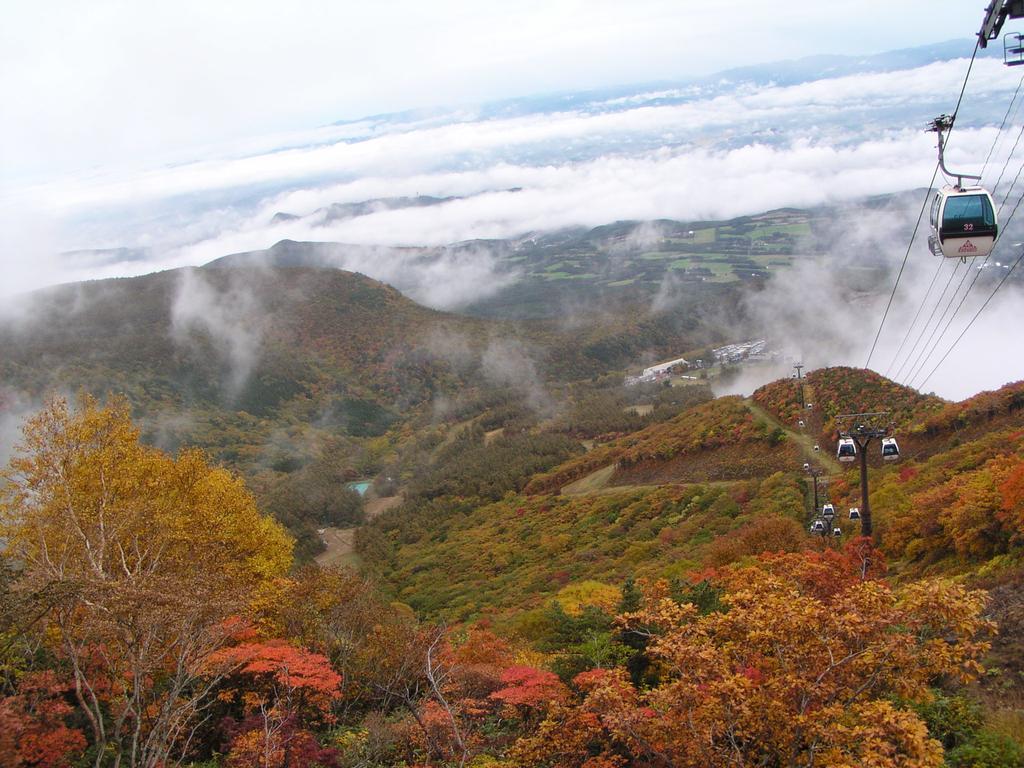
(360, 486)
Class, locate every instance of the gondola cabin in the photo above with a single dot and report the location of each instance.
(847, 450)
(817, 526)
(890, 449)
(855, 513)
(828, 512)
(837, 531)
(963, 223)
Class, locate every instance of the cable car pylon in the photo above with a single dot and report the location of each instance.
(861, 433)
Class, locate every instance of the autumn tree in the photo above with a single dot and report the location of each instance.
(284, 692)
(340, 614)
(150, 557)
(800, 668)
(34, 729)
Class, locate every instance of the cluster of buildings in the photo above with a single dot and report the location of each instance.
(744, 351)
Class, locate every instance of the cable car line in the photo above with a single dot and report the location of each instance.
(995, 187)
(924, 205)
(922, 362)
(962, 300)
(928, 322)
(928, 349)
(914, 348)
(920, 215)
(931, 316)
(1002, 125)
(976, 314)
(999, 180)
(913, 322)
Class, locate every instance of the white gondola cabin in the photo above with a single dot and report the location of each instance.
(847, 450)
(837, 531)
(828, 512)
(817, 526)
(890, 449)
(855, 513)
(963, 223)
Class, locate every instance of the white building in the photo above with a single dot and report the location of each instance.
(661, 368)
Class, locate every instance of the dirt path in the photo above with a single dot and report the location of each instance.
(822, 458)
(341, 542)
(596, 484)
(340, 547)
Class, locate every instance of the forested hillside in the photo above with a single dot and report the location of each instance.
(690, 621)
(303, 378)
(546, 571)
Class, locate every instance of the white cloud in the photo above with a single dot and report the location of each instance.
(418, 148)
(232, 320)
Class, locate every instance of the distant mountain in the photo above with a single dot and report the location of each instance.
(342, 211)
(652, 263)
(216, 342)
(678, 91)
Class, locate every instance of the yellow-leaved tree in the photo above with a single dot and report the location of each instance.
(149, 564)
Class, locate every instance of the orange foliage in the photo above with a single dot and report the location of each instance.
(1012, 506)
(33, 731)
(763, 534)
(804, 661)
(530, 688)
(281, 663)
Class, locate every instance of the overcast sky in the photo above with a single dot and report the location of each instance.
(93, 84)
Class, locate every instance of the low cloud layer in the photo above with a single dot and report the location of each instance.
(716, 151)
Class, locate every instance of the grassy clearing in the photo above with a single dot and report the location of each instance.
(645, 409)
(795, 230)
(592, 483)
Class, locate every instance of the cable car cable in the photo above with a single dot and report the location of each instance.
(942, 296)
(1010, 108)
(978, 274)
(976, 314)
(1008, 158)
(917, 368)
(924, 205)
(1003, 124)
(929, 348)
(928, 322)
(913, 322)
